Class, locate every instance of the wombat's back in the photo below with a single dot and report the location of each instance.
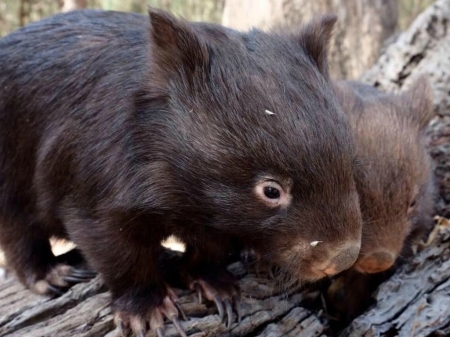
(55, 75)
(77, 54)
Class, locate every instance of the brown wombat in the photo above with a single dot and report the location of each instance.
(394, 180)
(117, 131)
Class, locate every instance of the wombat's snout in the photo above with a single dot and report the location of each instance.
(343, 259)
(375, 262)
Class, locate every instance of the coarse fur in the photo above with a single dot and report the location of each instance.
(395, 182)
(117, 131)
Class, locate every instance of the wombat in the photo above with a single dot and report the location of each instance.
(117, 131)
(394, 179)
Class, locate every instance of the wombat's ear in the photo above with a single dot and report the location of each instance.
(175, 48)
(315, 38)
(419, 102)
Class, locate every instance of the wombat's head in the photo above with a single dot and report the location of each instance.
(394, 178)
(254, 142)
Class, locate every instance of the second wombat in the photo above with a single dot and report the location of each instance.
(394, 179)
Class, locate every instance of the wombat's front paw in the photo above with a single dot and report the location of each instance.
(60, 278)
(170, 308)
(253, 263)
(218, 285)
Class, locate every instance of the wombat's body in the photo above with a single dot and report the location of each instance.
(117, 131)
(394, 180)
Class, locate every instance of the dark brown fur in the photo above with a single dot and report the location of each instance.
(394, 180)
(116, 140)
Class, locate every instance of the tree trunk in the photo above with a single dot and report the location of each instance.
(424, 49)
(413, 302)
(362, 28)
(24, 12)
(70, 5)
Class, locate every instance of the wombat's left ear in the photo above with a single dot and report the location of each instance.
(315, 38)
(419, 102)
(176, 50)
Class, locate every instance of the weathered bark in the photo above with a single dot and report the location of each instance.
(414, 302)
(70, 5)
(84, 311)
(424, 49)
(360, 32)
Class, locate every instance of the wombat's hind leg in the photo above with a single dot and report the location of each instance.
(69, 269)
(59, 278)
(28, 252)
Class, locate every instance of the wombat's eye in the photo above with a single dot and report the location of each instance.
(272, 193)
(411, 207)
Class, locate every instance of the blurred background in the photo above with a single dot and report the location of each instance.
(364, 28)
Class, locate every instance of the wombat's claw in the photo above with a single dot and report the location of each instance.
(60, 278)
(219, 305)
(160, 332)
(123, 332)
(237, 308)
(176, 323)
(180, 310)
(56, 290)
(175, 300)
(229, 310)
(170, 308)
(249, 256)
(77, 276)
(71, 279)
(198, 289)
(125, 322)
(83, 273)
(273, 271)
(224, 300)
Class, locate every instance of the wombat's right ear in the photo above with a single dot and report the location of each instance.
(419, 102)
(175, 48)
(315, 38)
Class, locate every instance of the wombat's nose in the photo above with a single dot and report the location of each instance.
(344, 259)
(376, 262)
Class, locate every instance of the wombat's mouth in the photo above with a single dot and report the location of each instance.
(280, 269)
(319, 262)
(303, 274)
(308, 266)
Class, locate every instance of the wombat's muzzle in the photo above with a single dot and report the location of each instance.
(342, 260)
(375, 263)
